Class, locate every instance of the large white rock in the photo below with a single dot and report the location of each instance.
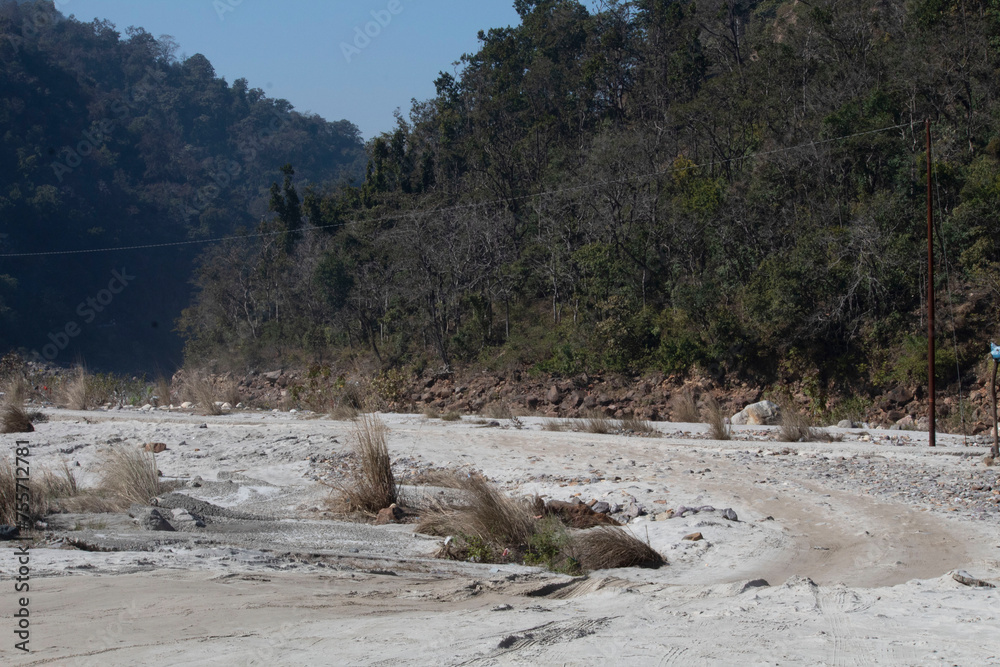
(758, 414)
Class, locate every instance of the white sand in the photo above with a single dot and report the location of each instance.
(854, 578)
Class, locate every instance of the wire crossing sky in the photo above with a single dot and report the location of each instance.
(357, 60)
(584, 186)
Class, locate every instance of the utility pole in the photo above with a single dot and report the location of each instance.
(931, 427)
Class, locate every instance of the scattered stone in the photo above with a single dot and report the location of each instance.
(187, 405)
(203, 426)
(963, 577)
(8, 532)
(183, 518)
(693, 537)
(227, 406)
(845, 423)
(988, 461)
(601, 507)
(196, 482)
(390, 514)
(730, 514)
(155, 447)
(153, 520)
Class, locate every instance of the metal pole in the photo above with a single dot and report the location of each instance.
(995, 452)
(931, 427)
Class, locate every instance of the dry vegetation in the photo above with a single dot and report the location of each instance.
(373, 486)
(685, 409)
(718, 427)
(798, 427)
(452, 416)
(553, 425)
(640, 427)
(77, 391)
(597, 422)
(608, 547)
(129, 475)
(489, 526)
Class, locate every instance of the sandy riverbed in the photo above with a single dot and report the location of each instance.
(856, 541)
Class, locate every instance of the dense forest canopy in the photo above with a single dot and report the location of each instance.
(644, 185)
(655, 185)
(108, 140)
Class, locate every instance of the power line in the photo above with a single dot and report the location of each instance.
(458, 207)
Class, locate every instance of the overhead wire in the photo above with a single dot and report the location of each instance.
(456, 207)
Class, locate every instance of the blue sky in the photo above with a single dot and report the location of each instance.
(293, 49)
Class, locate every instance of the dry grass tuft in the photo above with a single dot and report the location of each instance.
(162, 392)
(343, 412)
(718, 428)
(685, 409)
(498, 410)
(77, 392)
(446, 478)
(431, 413)
(13, 419)
(608, 547)
(373, 487)
(61, 484)
(598, 423)
(199, 389)
(797, 427)
(639, 426)
(452, 416)
(489, 518)
(129, 475)
(553, 425)
(38, 505)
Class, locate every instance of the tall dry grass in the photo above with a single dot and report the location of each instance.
(373, 485)
(487, 516)
(715, 417)
(798, 427)
(685, 409)
(129, 475)
(609, 547)
(77, 392)
(37, 500)
(597, 422)
(640, 427)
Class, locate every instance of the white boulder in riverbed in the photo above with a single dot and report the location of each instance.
(758, 414)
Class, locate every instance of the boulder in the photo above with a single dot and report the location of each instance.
(155, 447)
(845, 423)
(152, 520)
(390, 514)
(554, 396)
(758, 414)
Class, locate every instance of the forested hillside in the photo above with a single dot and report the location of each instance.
(658, 185)
(108, 140)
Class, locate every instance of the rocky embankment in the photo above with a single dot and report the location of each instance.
(652, 397)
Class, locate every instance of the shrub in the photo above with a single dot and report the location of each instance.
(452, 416)
(553, 425)
(684, 408)
(598, 423)
(639, 426)
(13, 419)
(607, 547)
(373, 486)
(78, 391)
(718, 427)
(129, 475)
